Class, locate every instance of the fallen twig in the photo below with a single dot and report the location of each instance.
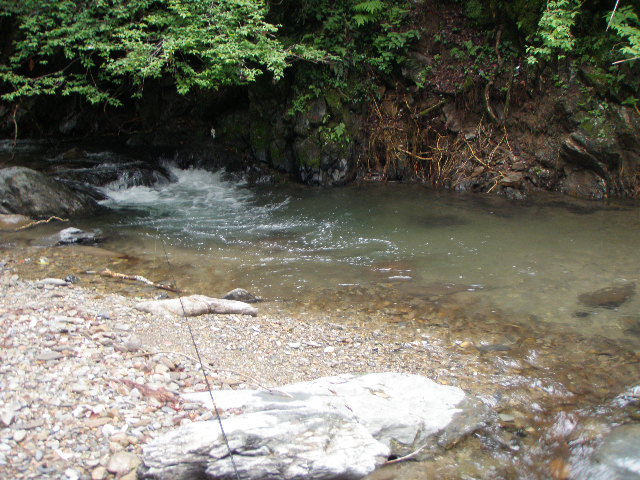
(138, 278)
(38, 222)
(406, 457)
(431, 108)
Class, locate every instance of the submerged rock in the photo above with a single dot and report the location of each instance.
(609, 297)
(196, 305)
(28, 192)
(618, 458)
(333, 427)
(241, 295)
(75, 235)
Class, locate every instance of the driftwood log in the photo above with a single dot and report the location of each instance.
(194, 305)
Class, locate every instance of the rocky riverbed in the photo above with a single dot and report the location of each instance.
(87, 380)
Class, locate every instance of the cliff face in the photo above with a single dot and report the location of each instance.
(462, 113)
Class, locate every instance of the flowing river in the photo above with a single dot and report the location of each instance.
(532, 260)
(487, 277)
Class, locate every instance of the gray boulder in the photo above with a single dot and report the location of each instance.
(334, 427)
(28, 192)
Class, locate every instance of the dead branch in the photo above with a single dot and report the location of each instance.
(475, 157)
(487, 103)
(406, 457)
(431, 108)
(38, 222)
(507, 99)
(139, 278)
(615, 9)
(489, 85)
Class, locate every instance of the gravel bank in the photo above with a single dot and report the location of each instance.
(86, 380)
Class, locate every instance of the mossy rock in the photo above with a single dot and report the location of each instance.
(233, 127)
(260, 136)
(308, 151)
(281, 155)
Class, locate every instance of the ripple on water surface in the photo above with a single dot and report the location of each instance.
(534, 260)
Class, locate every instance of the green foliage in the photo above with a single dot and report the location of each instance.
(361, 40)
(369, 12)
(337, 134)
(575, 31)
(107, 50)
(554, 35)
(519, 16)
(100, 48)
(358, 35)
(627, 26)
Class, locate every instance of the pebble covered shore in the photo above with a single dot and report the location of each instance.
(86, 380)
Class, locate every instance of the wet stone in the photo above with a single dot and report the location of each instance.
(619, 456)
(242, 295)
(73, 235)
(609, 297)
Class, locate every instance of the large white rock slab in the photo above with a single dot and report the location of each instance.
(287, 445)
(196, 305)
(353, 422)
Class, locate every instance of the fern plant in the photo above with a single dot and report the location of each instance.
(368, 11)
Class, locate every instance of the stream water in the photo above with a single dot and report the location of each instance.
(532, 260)
(490, 278)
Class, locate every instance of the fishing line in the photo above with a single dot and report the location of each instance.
(204, 373)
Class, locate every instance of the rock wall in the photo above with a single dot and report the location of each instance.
(317, 146)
